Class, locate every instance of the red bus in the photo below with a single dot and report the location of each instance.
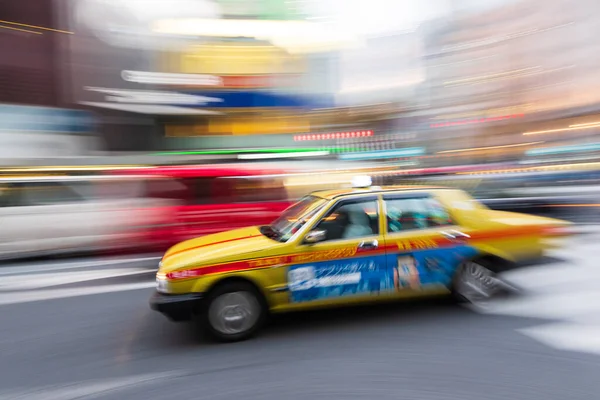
(210, 199)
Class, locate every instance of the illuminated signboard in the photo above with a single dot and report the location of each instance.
(333, 135)
(233, 60)
(257, 81)
(240, 126)
(194, 81)
(384, 154)
(261, 99)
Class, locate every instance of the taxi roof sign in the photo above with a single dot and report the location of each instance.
(360, 182)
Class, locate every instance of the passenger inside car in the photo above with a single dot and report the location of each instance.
(359, 223)
(350, 221)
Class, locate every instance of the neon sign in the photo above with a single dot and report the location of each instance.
(333, 135)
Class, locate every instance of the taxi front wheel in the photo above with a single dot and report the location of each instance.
(235, 311)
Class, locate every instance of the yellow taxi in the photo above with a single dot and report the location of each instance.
(336, 247)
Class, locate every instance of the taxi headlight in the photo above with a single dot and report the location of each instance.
(162, 283)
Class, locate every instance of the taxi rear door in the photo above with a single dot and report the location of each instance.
(424, 246)
(348, 261)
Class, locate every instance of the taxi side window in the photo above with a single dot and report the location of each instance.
(351, 220)
(415, 213)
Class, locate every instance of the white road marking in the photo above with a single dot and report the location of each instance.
(38, 281)
(563, 306)
(18, 270)
(52, 294)
(566, 294)
(555, 278)
(80, 390)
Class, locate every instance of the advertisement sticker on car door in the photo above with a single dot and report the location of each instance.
(324, 280)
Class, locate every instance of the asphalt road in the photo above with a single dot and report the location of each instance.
(110, 345)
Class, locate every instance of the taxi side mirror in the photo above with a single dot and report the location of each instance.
(315, 236)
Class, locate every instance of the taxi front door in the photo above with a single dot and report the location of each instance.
(424, 246)
(350, 260)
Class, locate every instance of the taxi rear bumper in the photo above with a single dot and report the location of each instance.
(177, 307)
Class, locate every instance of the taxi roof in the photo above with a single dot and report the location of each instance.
(336, 193)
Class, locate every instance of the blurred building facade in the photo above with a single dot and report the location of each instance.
(494, 75)
(36, 119)
(29, 70)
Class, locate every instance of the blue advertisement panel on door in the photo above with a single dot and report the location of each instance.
(337, 278)
(397, 270)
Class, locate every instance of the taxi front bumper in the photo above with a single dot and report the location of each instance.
(177, 307)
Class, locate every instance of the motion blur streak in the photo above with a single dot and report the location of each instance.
(35, 27)
(489, 148)
(20, 30)
(571, 128)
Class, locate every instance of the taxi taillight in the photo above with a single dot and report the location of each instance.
(558, 231)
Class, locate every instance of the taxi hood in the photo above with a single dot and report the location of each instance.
(220, 247)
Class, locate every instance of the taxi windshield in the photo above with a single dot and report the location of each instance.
(292, 219)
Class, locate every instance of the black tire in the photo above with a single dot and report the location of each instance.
(484, 269)
(251, 307)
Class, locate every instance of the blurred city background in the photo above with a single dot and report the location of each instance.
(127, 126)
(495, 97)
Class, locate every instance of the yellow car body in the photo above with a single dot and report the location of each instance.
(368, 265)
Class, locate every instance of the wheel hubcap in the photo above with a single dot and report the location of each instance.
(234, 313)
(476, 282)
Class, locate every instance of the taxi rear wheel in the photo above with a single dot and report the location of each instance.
(235, 311)
(476, 281)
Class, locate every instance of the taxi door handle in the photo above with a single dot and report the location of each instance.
(368, 245)
(455, 236)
